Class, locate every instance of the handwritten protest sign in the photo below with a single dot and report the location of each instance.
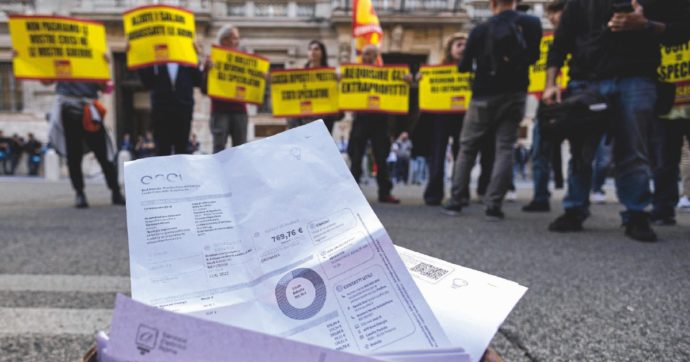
(58, 48)
(304, 92)
(237, 76)
(443, 89)
(374, 89)
(675, 68)
(159, 34)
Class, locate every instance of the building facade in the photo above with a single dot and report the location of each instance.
(414, 33)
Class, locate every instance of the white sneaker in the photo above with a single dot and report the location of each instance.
(598, 198)
(684, 204)
(511, 196)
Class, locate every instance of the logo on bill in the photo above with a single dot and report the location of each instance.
(457, 102)
(305, 107)
(240, 92)
(373, 102)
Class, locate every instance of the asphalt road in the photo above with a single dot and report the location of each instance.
(593, 296)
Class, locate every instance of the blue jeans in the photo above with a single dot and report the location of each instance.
(632, 101)
(602, 162)
(541, 165)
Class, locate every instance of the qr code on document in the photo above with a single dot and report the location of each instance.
(427, 270)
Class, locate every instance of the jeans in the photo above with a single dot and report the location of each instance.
(224, 124)
(666, 144)
(602, 162)
(419, 174)
(631, 101)
(498, 118)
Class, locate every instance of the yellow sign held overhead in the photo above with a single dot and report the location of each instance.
(159, 34)
(58, 48)
(237, 76)
(304, 92)
(370, 88)
(443, 89)
(537, 72)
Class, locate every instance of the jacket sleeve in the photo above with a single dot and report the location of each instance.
(467, 61)
(564, 37)
(147, 77)
(533, 39)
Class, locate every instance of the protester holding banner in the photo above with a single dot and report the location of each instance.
(371, 126)
(77, 119)
(500, 58)
(228, 118)
(317, 58)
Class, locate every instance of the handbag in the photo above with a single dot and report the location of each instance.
(578, 114)
(89, 122)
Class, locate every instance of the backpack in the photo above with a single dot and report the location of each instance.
(505, 47)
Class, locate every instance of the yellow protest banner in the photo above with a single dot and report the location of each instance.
(372, 88)
(537, 72)
(237, 76)
(304, 92)
(159, 34)
(443, 89)
(675, 68)
(58, 48)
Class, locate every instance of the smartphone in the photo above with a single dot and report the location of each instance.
(623, 8)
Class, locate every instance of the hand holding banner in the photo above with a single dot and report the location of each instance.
(237, 76)
(443, 89)
(370, 88)
(58, 48)
(304, 92)
(159, 34)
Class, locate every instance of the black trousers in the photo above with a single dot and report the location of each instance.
(666, 148)
(443, 127)
(171, 126)
(75, 138)
(374, 128)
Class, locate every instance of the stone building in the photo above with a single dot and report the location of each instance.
(414, 33)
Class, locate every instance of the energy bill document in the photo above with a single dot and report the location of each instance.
(273, 236)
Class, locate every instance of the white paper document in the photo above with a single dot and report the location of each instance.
(273, 236)
(469, 304)
(140, 333)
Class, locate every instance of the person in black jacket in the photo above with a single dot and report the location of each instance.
(615, 51)
(499, 52)
(172, 104)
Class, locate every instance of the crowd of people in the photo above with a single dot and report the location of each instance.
(13, 148)
(612, 49)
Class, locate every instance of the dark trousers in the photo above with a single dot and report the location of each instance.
(374, 128)
(171, 128)
(666, 143)
(75, 137)
(443, 127)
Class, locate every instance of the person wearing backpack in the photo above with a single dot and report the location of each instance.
(615, 55)
(499, 52)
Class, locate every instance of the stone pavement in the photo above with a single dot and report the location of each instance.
(593, 296)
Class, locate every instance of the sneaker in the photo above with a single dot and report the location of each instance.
(598, 198)
(571, 221)
(117, 198)
(388, 199)
(494, 214)
(451, 209)
(537, 206)
(511, 196)
(637, 227)
(684, 204)
(80, 201)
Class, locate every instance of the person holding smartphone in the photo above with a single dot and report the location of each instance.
(615, 52)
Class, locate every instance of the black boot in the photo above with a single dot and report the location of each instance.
(569, 222)
(80, 200)
(637, 227)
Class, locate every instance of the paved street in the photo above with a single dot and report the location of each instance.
(593, 296)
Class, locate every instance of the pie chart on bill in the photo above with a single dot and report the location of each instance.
(301, 293)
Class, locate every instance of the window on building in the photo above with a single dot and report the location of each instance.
(270, 10)
(267, 106)
(11, 99)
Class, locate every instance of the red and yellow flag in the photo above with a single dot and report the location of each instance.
(365, 26)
